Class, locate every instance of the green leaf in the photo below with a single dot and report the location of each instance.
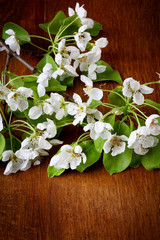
(97, 27)
(46, 59)
(99, 142)
(151, 160)
(95, 103)
(70, 25)
(136, 160)
(2, 144)
(64, 121)
(18, 82)
(91, 153)
(110, 119)
(117, 163)
(16, 145)
(55, 86)
(153, 104)
(54, 25)
(21, 34)
(19, 114)
(68, 81)
(121, 128)
(108, 74)
(52, 171)
(115, 98)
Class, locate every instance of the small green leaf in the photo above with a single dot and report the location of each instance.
(68, 81)
(151, 160)
(19, 114)
(136, 160)
(70, 25)
(16, 145)
(2, 144)
(97, 27)
(117, 163)
(54, 25)
(153, 104)
(18, 82)
(55, 86)
(95, 103)
(115, 97)
(121, 128)
(64, 121)
(46, 59)
(110, 119)
(108, 74)
(21, 34)
(91, 153)
(52, 171)
(99, 142)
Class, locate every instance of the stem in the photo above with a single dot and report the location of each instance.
(151, 83)
(105, 90)
(35, 36)
(60, 33)
(138, 110)
(139, 125)
(20, 77)
(147, 104)
(38, 47)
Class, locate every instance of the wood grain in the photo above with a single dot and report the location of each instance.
(91, 205)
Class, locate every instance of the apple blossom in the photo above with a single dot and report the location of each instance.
(12, 41)
(115, 144)
(152, 124)
(82, 14)
(15, 99)
(68, 157)
(140, 140)
(93, 93)
(82, 38)
(98, 129)
(43, 79)
(132, 88)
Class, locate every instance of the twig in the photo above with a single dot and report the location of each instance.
(10, 52)
(29, 66)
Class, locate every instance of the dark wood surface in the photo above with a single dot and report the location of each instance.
(92, 205)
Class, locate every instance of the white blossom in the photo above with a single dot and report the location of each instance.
(93, 93)
(115, 144)
(42, 108)
(49, 128)
(64, 70)
(37, 143)
(98, 129)
(12, 41)
(15, 99)
(43, 79)
(4, 91)
(86, 62)
(82, 14)
(140, 140)
(15, 164)
(152, 124)
(82, 38)
(78, 110)
(59, 105)
(68, 157)
(132, 88)
(66, 53)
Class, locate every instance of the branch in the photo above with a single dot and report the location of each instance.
(29, 66)
(10, 52)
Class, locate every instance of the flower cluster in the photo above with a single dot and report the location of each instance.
(121, 130)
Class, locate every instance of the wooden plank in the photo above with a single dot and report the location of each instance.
(91, 205)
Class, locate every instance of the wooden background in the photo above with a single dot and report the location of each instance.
(92, 205)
